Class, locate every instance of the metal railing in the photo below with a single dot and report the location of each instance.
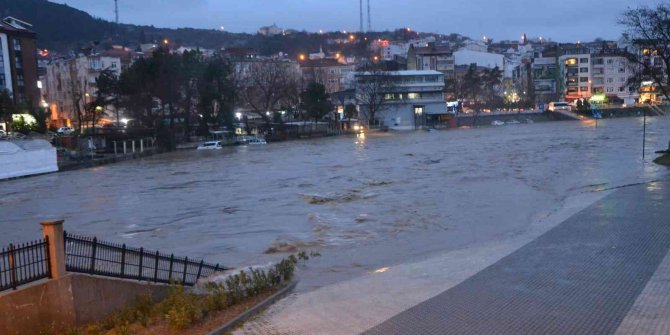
(89, 255)
(24, 263)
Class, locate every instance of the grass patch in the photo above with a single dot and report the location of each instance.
(183, 309)
(663, 160)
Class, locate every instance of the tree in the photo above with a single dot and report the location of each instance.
(648, 30)
(76, 93)
(217, 94)
(350, 111)
(7, 107)
(315, 101)
(371, 90)
(108, 91)
(264, 85)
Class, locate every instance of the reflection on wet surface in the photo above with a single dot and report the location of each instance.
(400, 195)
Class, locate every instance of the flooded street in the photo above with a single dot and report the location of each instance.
(361, 201)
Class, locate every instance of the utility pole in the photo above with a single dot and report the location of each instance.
(369, 18)
(116, 10)
(361, 12)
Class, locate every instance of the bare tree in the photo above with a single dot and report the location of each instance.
(371, 90)
(76, 93)
(648, 31)
(264, 85)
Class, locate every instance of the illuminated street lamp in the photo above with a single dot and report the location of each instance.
(238, 115)
(166, 41)
(302, 57)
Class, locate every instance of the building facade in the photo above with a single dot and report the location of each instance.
(18, 61)
(334, 75)
(432, 58)
(412, 98)
(71, 84)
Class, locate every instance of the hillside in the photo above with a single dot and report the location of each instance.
(63, 28)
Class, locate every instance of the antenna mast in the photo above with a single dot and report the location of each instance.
(361, 12)
(116, 10)
(369, 17)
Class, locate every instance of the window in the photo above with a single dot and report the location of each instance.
(418, 110)
(413, 96)
(622, 70)
(19, 80)
(610, 61)
(2, 80)
(622, 89)
(598, 61)
(18, 62)
(597, 90)
(584, 79)
(584, 89)
(571, 61)
(622, 79)
(583, 60)
(17, 44)
(610, 89)
(583, 70)
(610, 80)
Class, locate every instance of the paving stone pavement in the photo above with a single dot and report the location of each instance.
(582, 277)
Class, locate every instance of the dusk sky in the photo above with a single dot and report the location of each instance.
(560, 20)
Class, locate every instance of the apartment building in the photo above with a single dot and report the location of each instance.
(333, 74)
(18, 60)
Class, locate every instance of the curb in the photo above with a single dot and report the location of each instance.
(230, 325)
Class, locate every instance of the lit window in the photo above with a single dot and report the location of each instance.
(412, 96)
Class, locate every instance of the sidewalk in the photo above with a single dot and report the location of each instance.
(605, 270)
(582, 277)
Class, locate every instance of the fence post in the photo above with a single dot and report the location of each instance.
(183, 279)
(93, 252)
(115, 148)
(156, 267)
(52, 231)
(171, 262)
(141, 145)
(139, 272)
(12, 267)
(202, 262)
(133, 146)
(124, 147)
(123, 259)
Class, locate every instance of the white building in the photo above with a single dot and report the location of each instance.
(72, 81)
(413, 99)
(482, 59)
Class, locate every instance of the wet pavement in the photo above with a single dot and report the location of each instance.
(582, 277)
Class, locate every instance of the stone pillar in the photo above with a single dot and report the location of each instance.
(115, 148)
(141, 145)
(133, 146)
(54, 231)
(124, 148)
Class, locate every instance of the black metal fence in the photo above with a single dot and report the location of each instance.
(89, 255)
(24, 263)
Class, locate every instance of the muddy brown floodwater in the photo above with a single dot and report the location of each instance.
(362, 201)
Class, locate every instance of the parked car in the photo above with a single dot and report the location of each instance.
(3, 134)
(559, 106)
(65, 131)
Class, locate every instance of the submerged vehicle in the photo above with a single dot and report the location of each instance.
(211, 145)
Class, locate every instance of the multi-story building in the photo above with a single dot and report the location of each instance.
(18, 60)
(433, 58)
(333, 74)
(598, 76)
(412, 98)
(71, 84)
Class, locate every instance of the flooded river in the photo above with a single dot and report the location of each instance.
(361, 201)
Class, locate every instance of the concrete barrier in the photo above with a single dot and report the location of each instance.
(53, 306)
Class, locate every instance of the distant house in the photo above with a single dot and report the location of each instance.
(413, 99)
(334, 75)
(270, 30)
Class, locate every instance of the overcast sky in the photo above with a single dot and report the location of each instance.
(560, 20)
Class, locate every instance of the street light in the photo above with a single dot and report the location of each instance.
(238, 115)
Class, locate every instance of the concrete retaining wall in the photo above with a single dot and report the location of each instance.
(53, 306)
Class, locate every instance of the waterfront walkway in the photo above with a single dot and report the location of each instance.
(605, 270)
(598, 269)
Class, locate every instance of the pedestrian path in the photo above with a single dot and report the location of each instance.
(605, 270)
